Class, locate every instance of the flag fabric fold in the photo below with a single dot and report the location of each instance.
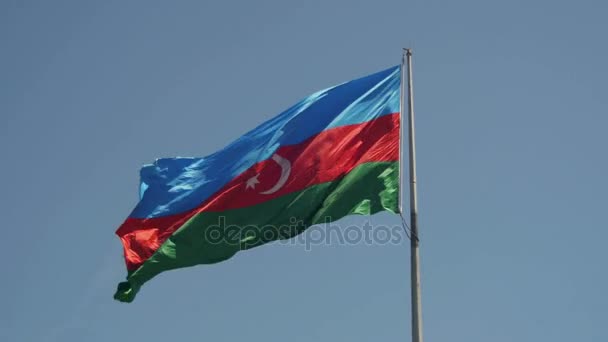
(334, 153)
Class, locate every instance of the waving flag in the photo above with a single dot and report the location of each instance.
(333, 154)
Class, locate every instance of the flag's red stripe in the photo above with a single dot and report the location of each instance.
(322, 158)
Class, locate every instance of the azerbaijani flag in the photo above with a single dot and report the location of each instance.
(334, 153)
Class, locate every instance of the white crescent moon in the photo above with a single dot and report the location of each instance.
(285, 171)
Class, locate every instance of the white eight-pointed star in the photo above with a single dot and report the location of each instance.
(251, 182)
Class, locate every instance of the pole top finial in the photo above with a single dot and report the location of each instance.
(407, 51)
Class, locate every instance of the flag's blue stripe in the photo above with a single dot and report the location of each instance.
(174, 185)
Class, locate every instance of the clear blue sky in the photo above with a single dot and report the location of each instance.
(512, 116)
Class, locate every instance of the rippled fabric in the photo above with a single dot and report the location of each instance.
(171, 186)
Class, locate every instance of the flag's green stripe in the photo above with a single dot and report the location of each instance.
(210, 237)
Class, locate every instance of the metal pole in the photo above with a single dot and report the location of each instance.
(401, 127)
(414, 242)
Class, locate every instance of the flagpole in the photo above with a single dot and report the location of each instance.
(406, 74)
